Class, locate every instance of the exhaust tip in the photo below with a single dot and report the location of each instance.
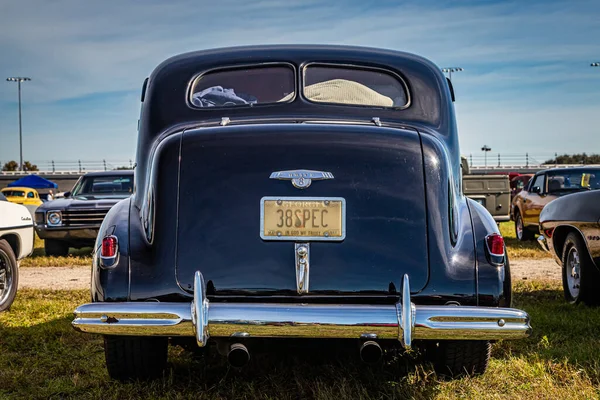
(370, 352)
(238, 355)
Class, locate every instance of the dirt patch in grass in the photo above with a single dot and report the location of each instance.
(41, 356)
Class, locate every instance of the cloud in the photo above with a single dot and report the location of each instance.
(519, 57)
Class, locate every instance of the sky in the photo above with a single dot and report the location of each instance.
(527, 84)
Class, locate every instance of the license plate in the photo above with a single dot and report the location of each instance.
(303, 218)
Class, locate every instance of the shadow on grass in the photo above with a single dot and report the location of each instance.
(85, 252)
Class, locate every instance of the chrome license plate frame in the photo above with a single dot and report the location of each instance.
(291, 238)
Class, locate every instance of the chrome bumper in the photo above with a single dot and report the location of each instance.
(403, 321)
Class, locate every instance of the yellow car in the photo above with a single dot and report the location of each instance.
(22, 195)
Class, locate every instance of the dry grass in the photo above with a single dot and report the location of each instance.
(76, 257)
(42, 357)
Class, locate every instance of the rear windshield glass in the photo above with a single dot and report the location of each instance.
(244, 87)
(104, 185)
(14, 193)
(353, 86)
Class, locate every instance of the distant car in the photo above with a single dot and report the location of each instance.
(287, 192)
(517, 183)
(544, 187)
(73, 221)
(16, 242)
(22, 195)
(570, 231)
(491, 191)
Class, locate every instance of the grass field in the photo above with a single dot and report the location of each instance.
(518, 249)
(42, 357)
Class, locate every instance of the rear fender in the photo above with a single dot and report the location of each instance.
(493, 282)
(112, 283)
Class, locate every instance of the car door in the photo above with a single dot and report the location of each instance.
(534, 200)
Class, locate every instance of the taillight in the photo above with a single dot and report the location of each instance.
(109, 247)
(549, 232)
(495, 244)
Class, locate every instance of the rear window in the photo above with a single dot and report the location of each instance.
(354, 86)
(248, 86)
(14, 193)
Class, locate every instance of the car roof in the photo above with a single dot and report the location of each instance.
(18, 188)
(570, 169)
(111, 173)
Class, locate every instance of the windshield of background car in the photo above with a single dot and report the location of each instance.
(574, 180)
(13, 193)
(354, 86)
(99, 186)
(247, 86)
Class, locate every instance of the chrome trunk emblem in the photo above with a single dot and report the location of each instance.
(301, 178)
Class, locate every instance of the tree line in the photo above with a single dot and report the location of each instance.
(14, 166)
(582, 158)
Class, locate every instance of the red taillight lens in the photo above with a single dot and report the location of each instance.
(495, 244)
(109, 246)
(549, 232)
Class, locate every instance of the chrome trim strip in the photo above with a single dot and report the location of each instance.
(300, 320)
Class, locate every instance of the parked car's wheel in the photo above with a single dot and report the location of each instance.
(580, 276)
(55, 247)
(135, 357)
(522, 233)
(9, 276)
(455, 358)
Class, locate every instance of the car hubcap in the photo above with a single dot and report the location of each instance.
(573, 272)
(5, 277)
(519, 227)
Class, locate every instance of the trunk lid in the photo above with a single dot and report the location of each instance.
(225, 172)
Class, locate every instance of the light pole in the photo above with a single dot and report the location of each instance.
(450, 70)
(19, 79)
(485, 150)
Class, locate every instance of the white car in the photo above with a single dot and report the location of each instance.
(16, 242)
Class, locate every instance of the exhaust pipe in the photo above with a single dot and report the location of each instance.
(238, 355)
(370, 352)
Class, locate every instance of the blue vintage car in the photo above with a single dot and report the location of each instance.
(298, 192)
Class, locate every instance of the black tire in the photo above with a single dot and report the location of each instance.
(55, 247)
(135, 357)
(522, 233)
(455, 358)
(9, 275)
(587, 277)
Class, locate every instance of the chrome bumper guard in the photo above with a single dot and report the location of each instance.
(542, 242)
(403, 321)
